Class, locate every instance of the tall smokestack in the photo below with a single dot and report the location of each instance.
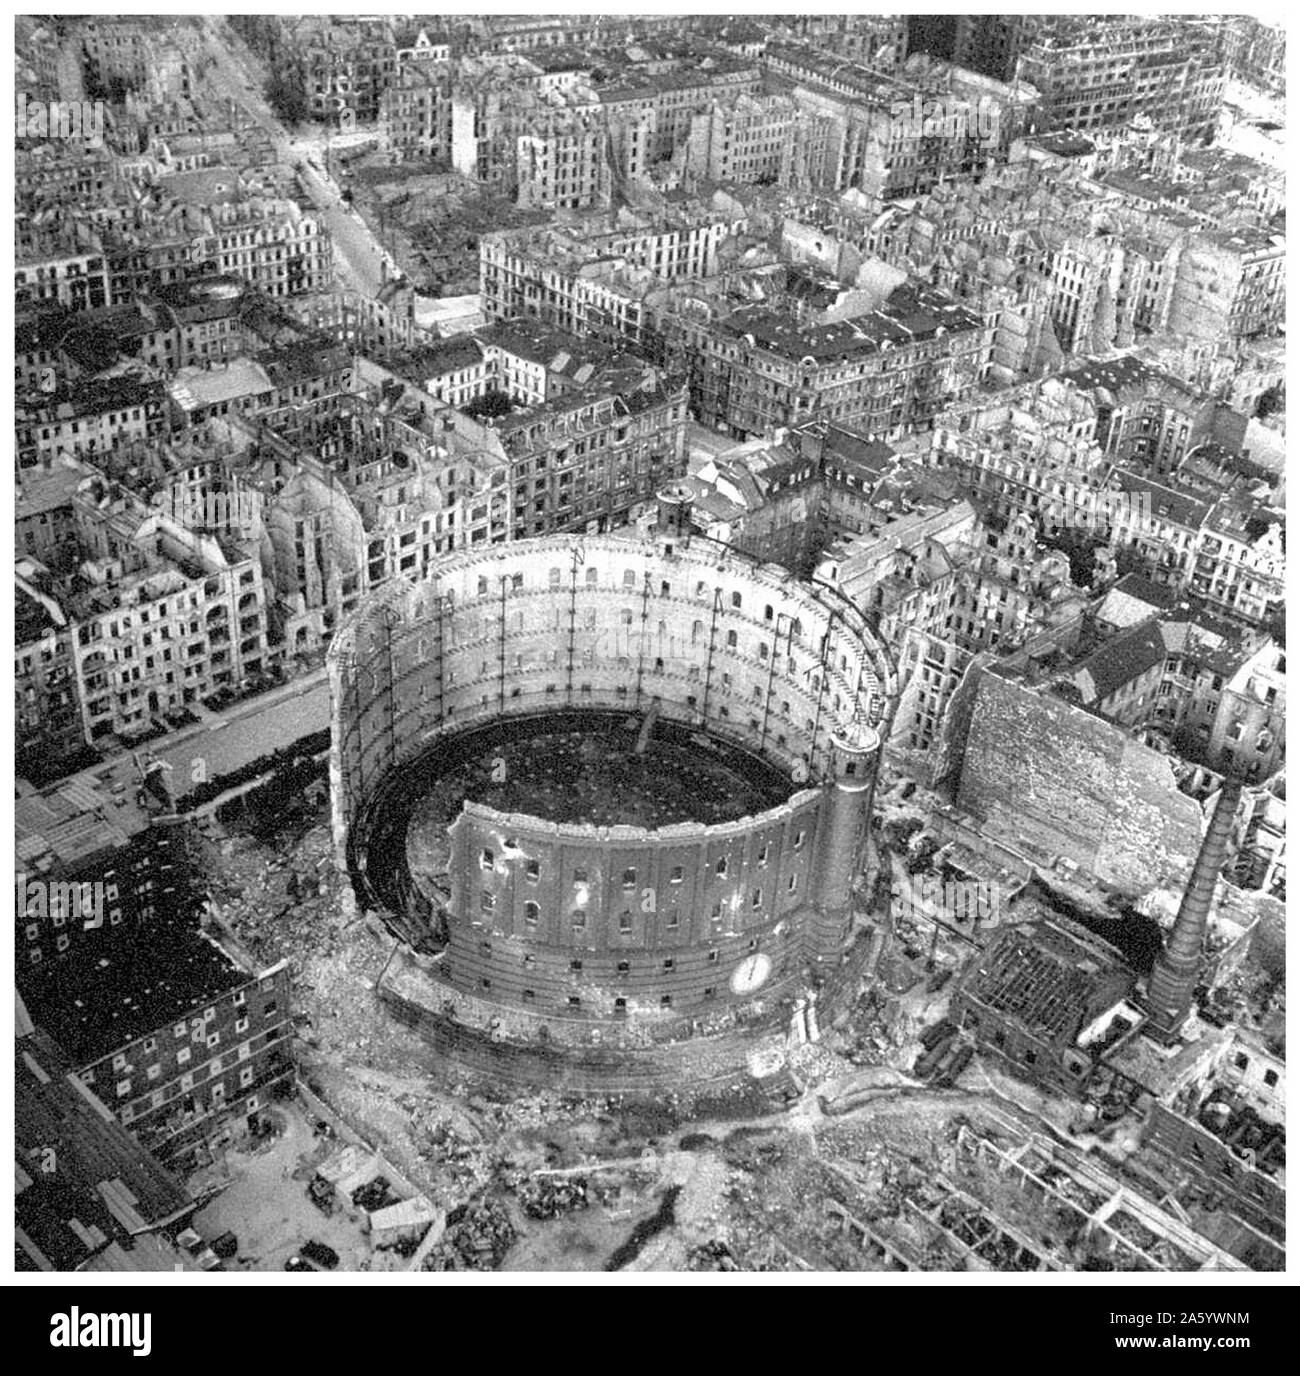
(1177, 967)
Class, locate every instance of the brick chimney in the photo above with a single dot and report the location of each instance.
(1178, 966)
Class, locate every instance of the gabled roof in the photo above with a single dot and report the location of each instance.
(1122, 660)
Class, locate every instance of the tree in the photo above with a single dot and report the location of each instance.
(1271, 401)
(1079, 547)
(286, 93)
(491, 403)
(261, 32)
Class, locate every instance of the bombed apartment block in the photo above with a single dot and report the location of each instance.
(159, 615)
(900, 132)
(1230, 1160)
(181, 1040)
(1098, 74)
(889, 369)
(47, 729)
(86, 418)
(575, 261)
(1254, 52)
(792, 497)
(762, 140)
(89, 1197)
(92, 868)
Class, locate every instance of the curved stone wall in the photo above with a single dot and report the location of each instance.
(743, 650)
(585, 921)
(681, 930)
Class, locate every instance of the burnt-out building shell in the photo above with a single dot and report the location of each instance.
(599, 941)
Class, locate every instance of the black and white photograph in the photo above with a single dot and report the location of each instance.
(650, 649)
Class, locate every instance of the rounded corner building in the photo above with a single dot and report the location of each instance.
(613, 794)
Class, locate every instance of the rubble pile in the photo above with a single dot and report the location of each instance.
(711, 1256)
(1088, 1200)
(551, 1196)
(1054, 1228)
(814, 1062)
(374, 1195)
(478, 1236)
(620, 1193)
(277, 901)
(875, 1033)
(1253, 998)
(534, 1112)
(465, 1164)
(432, 220)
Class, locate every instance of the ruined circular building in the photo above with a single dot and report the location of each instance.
(613, 792)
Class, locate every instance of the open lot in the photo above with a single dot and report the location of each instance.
(268, 1210)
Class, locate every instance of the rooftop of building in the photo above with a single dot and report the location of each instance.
(206, 186)
(1214, 643)
(565, 57)
(68, 825)
(636, 83)
(1123, 659)
(514, 428)
(1113, 32)
(97, 339)
(1166, 1069)
(194, 388)
(1145, 185)
(1114, 375)
(925, 530)
(858, 453)
(557, 349)
(1064, 144)
(450, 314)
(105, 1188)
(47, 486)
(445, 356)
(40, 325)
(1214, 469)
(1157, 596)
(912, 313)
(1245, 239)
(101, 1000)
(94, 396)
(299, 360)
(1243, 516)
(1167, 501)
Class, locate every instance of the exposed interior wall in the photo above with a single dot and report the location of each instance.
(1055, 779)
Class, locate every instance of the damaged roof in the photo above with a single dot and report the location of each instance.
(1053, 979)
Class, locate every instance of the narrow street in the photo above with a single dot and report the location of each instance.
(236, 74)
